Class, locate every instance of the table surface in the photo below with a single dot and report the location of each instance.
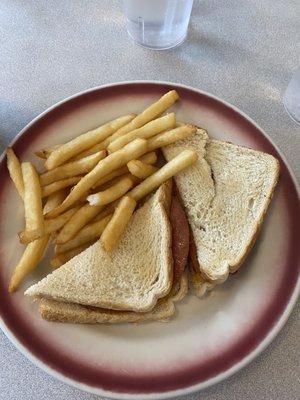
(242, 51)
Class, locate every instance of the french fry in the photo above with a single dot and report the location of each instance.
(147, 131)
(78, 220)
(140, 170)
(15, 171)
(54, 200)
(107, 185)
(99, 146)
(149, 158)
(94, 149)
(90, 232)
(34, 220)
(177, 164)
(109, 209)
(62, 258)
(72, 169)
(84, 141)
(110, 163)
(116, 226)
(113, 193)
(165, 138)
(31, 257)
(58, 185)
(45, 153)
(150, 113)
(41, 154)
(55, 224)
(115, 174)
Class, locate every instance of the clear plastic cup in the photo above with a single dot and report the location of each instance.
(158, 24)
(291, 98)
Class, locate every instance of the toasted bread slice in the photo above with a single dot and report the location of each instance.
(57, 311)
(132, 277)
(225, 195)
(199, 284)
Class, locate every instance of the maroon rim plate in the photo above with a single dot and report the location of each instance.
(165, 375)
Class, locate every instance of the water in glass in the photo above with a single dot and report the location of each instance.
(158, 24)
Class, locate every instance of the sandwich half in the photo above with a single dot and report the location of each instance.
(225, 195)
(57, 311)
(132, 283)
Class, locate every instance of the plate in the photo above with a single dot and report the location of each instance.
(211, 338)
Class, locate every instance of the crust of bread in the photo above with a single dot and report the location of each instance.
(198, 283)
(234, 268)
(56, 311)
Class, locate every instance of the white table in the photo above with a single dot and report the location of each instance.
(242, 51)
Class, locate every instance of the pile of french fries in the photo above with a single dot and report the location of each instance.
(92, 184)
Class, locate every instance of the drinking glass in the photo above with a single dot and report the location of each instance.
(158, 24)
(291, 98)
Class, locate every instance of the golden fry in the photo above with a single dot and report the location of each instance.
(177, 164)
(62, 258)
(147, 131)
(15, 171)
(113, 193)
(84, 141)
(149, 158)
(150, 113)
(94, 149)
(46, 152)
(99, 146)
(165, 138)
(58, 185)
(78, 220)
(72, 169)
(140, 170)
(41, 154)
(109, 209)
(54, 224)
(34, 219)
(115, 174)
(116, 226)
(54, 200)
(90, 232)
(110, 163)
(31, 257)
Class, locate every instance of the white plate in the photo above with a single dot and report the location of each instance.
(209, 339)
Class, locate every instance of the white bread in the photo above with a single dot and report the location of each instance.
(56, 311)
(199, 284)
(225, 195)
(132, 277)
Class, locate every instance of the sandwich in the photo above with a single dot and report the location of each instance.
(139, 280)
(225, 196)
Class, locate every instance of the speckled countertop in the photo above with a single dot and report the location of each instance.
(242, 51)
